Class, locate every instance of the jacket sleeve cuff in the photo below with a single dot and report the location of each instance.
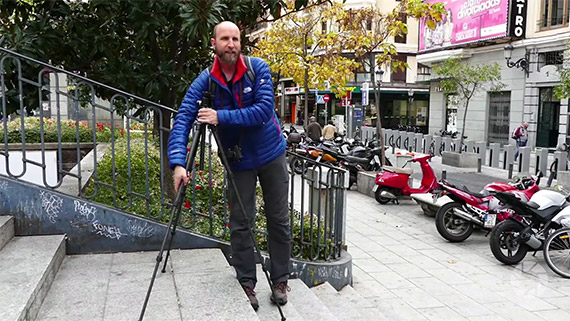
(223, 116)
(176, 162)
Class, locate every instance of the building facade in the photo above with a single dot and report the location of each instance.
(402, 100)
(538, 32)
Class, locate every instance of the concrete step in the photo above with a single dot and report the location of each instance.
(267, 309)
(197, 285)
(307, 303)
(6, 230)
(339, 305)
(29, 265)
(365, 307)
(208, 289)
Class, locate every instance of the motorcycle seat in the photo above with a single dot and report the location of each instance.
(357, 160)
(398, 170)
(532, 205)
(478, 195)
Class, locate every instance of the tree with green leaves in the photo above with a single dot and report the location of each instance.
(465, 80)
(152, 48)
(298, 46)
(372, 31)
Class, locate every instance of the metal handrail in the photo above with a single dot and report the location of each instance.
(119, 162)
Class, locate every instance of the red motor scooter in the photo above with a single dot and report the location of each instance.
(392, 182)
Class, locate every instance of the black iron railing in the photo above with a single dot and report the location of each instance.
(68, 133)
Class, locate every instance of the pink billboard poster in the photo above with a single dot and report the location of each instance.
(466, 21)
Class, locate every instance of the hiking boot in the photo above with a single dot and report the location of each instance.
(251, 296)
(280, 293)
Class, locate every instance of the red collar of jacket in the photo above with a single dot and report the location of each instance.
(217, 73)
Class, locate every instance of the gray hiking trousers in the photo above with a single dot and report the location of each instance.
(274, 181)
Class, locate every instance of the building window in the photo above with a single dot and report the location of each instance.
(401, 38)
(554, 13)
(324, 27)
(399, 74)
(424, 73)
(369, 25)
(555, 58)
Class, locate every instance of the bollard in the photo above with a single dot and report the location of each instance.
(437, 142)
(494, 159)
(509, 157)
(419, 141)
(562, 160)
(443, 174)
(457, 145)
(470, 144)
(482, 150)
(479, 163)
(524, 160)
(447, 142)
(427, 143)
(553, 171)
(511, 170)
(541, 160)
(411, 141)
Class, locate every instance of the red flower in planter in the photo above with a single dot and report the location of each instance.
(198, 187)
(187, 204)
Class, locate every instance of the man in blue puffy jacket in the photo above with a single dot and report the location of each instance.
(251, 136)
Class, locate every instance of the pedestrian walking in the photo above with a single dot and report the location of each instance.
(520, 135)
(314, 130)
(330, 130)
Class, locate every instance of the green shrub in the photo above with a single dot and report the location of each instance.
(195, 215)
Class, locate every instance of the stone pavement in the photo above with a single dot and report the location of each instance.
(408, 272)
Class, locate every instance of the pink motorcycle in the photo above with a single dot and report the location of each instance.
(455, 220)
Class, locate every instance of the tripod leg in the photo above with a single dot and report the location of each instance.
(231, 180)
(173, 221)
(197, 139)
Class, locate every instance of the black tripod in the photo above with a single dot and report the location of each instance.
(200, 138)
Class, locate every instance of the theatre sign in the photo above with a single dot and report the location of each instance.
(470, 21)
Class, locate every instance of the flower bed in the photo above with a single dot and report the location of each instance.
(67, 130)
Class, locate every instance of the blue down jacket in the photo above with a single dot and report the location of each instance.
(248, 119)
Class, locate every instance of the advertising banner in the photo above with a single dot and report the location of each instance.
(466, 21)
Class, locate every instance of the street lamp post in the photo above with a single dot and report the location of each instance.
(410, 101)
(522, 63)
(377, 84)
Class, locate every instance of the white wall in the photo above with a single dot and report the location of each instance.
(33, 174)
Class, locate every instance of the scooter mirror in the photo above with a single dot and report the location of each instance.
(558, 188)
(516, 179)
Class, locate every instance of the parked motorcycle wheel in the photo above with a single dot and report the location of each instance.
(296, 165)
(557, 252)
(380, 199)
(450, 226)
(503, 239)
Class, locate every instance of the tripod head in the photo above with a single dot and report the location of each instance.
(207, 100)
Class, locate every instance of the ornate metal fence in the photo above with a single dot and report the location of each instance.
(77, 136)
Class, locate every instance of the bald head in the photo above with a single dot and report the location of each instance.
(223, 25)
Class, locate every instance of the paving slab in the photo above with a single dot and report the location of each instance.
(463, 280)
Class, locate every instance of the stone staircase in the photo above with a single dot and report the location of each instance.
(39, 282)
